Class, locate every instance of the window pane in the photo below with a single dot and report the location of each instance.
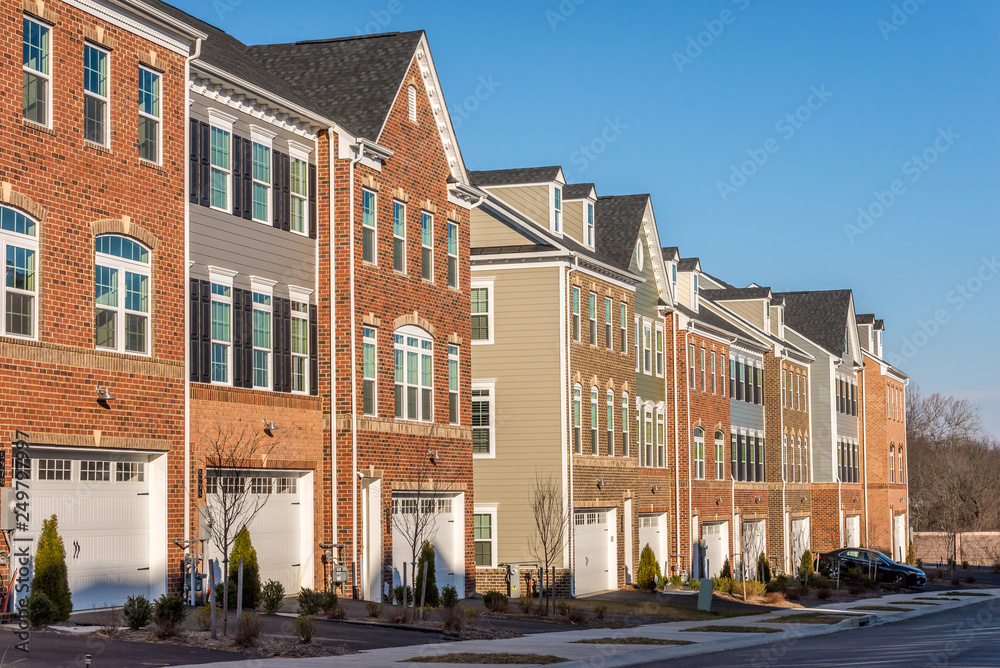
(136, 292)
(93, 119)
(220, 363)
(299, 374)
(104, 328)
(135, 333)
(261, 329)
(298, 181)
(20, 268)
(300, 336)
(220, 321)
(36, 46)
(260, 368)
(260, 202)
(35, 98)
(95, 73)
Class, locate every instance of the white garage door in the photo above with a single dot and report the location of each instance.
(753, 544)
(102, 504)
(899, 538)
(853, 526)
(444, 518)
(275, 531)
(595, 552)
(653, 532)
(716, 537)
(800, 542)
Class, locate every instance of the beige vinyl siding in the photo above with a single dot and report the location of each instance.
(651, 387)
(532, 201)
(750, 310)
(775, 320)
(487, 231)
(684, 288)
(524, 361)
(573, 219)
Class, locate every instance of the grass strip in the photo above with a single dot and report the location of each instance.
(808, 618)
(730, 629)
(632, 640)
(964, 593)
(492, 659)
(882, 608)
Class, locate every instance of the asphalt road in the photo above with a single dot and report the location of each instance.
(968, 636)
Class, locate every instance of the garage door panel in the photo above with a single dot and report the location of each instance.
(446, 534)
(593, 538)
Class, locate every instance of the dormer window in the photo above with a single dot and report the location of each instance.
(557, 211)
(878, 343)
(694, 291)
(767, 316)
(588, 233)
(845, 342)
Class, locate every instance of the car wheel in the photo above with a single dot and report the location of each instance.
(899, 580)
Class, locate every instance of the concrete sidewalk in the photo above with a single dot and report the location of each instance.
(564, 644)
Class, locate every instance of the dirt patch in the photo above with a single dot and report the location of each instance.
(266, 647)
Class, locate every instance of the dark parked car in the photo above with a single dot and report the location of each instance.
(872, 563)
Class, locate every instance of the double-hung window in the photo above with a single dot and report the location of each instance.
(625, 421)
(704, 379)
(262, 340)
(222, 313)
(699, 453)
(300, 346)
(368, 247)
(659, 351)
(452, 254)
(557, 211)
(611, 423)
(221, 167)
(589, 225)
(647, 435)
(661, 439)
(732, 378)
(623, 326)
(692, 379)
(261, 173)
(594, 444)
(482, 312)
(576, 313)
(95, 94)
(298, 181)
(637, 346)
(577, 427)
(121, 294)
(734, 456)
(149, 121)
(593, 319)
(369, 369)
(647, 348)
(19, 250)
(720, 455)
(483, 537)
(427, 246)
(608, 337)
(758, 397)
(482, 419)
(414, 375)
(453, 414)
(714, 385)
(399, 236)
(36, 64)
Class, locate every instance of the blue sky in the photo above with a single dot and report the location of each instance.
(841, 108)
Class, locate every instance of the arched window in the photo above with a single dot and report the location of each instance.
(785, 463)
(611, 423)
(799, 470)
(577, 420)
(121, 294)
(414, 371)
(901, 464)
(19, 250)
(892, 463)
(625, 421)
(699, 453)
(802, 457)
(720, 455)
(594, 447)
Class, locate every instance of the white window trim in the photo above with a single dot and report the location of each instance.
(224, 277)
(659, 358)
(491, 510)
(159, 123)
(304, 158)
(365, 340)
(557, 217)
(264, 287)
(396, 236)
(490, 309)
(411, 102)
(457, 358)
(28, 243)
(221, 121)
(264, 137)
(421, 335)
(302, 295)
(47, 76)
(373, 228)
(122, 265)
(451, 224)
(647, 327)
(430, 215)
(490, 385)
(589, 237)
(106, 98)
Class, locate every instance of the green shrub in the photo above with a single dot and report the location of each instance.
(449, 596)
(41, 609)
(777, 584)
(854, 573)
(965, 565)
(525, 603)
(397, 594)
(648, 574)
(911, 554)
(820, 581)
(426, 557)
(806, 567)
(823, 593)
(312, 602)
(562, 608)
(169, 612)
(248, 629)
(763, 568)
(920, 564)
(305, 627)
(272, 596)
(694, 584)
(724, 585)
(727, 570)
(600, 611)
(138, 611)
(495, 601)
(203, 616)
(243, 549)
(51, 577)
(675, 581)
(374, 609)
(753, 588)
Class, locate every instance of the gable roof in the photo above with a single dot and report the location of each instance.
(617, 221)
(688, 264)
(865, 318)
(578, 190)
(821, 316)
(227, 54)
(517, 176)
(736, 293)
(355, 79)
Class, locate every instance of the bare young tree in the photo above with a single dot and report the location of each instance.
(551, 521)
(751, 547)
(233, 494)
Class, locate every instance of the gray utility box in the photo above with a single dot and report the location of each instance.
(514, 586)
(8, 520)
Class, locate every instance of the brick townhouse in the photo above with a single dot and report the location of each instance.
(394, 303)
(92, 211)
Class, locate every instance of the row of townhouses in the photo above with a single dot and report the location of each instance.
(205, 240)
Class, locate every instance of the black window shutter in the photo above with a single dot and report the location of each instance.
(237, 164)
(286, 344)
(276, 334)
(206, 167)
(238, 370)
(247, 179)
(195, 333)
(313, 351)
(286, 193)
(206, 332)
(276, 188)
(313, 208)
(247, 339)
(193, 177)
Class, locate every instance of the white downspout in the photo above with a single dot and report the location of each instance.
(187, 288)
(677, 450)
(569, 380)
(687, 390)
(354, 380)
(333, 352)
(786, 524)
(864, 458)
(906, 463)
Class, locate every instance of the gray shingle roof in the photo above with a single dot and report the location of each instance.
(687, 264)
(617, 221)
(736, 293)
(505, 250)
(506, 177)
(714, 321)
(822, 316)
(865, 318)
(577, 190)
(226, 53)
(355, 79)
(669, 253)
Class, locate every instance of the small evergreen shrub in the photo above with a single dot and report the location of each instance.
(727, 570)
(724, 585)
(694, 584)
(648, 574)
(777, 584)
(495, 601)
(431, 595)
(397, 594)
(138, 612)
(600, 611)
(449, 596)
(374, 609)
(754, 588)
(806, 564)
(965, 565)
(243, 549)
(169, 612)
(675, 581)
(203, 616)
(41, 609)
(51, 577)
(823, 593)
(272, 596)
(525, 603)
(311, 602)
(248, 630)
(911, 555)
(562, 608)
(763, 568)
(305, 627)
